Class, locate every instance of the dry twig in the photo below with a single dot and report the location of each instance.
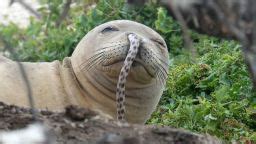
(64, 13)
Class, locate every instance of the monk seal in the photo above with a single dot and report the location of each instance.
(89, 77)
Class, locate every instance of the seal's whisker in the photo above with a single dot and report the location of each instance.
(112, 46)
(165, 72)
(162, 73)
(97, 54)
(160, 66)
(161, 77)
(155, 55)
(93, 60)
(157, 79)
(164, 62)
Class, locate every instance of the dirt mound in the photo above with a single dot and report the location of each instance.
(78, 125)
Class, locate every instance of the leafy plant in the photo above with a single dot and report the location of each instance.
(213, 95)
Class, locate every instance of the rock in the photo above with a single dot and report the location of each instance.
(78, 125)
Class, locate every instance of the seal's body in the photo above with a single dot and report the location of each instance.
(89, 77)
(50, 84)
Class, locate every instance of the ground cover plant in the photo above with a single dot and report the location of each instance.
(210, 92)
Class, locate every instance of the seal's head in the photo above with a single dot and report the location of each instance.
(97, 61)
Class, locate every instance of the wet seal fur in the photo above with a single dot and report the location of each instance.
(89, 77)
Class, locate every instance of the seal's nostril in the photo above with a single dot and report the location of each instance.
(140, 54)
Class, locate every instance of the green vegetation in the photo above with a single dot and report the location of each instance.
(210, 93)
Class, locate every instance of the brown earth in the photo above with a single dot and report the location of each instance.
(83, 126)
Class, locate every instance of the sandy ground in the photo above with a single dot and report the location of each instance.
(16, 13)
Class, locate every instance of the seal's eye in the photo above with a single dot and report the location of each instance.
(159, 42)
(109, 29)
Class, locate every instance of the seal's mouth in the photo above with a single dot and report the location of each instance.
(135, 65)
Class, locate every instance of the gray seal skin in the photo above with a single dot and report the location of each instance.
(89, 77)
